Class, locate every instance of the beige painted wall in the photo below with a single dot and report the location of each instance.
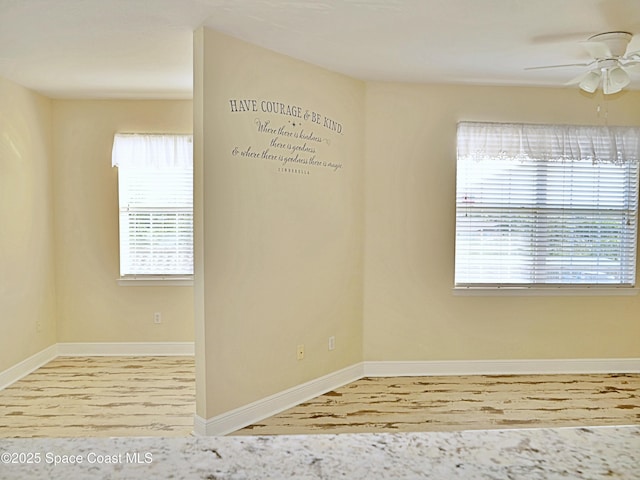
(91, 305)
(410, 312)
(279, 254)
(27, 293)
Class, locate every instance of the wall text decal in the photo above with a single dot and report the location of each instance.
(298, 139)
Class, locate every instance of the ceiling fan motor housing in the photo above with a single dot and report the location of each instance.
(616, 42)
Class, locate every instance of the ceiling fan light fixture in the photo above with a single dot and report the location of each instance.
(614, 80)
(618, 76)
(590, 81)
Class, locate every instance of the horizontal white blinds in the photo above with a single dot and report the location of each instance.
(543, 220)
(156, 205)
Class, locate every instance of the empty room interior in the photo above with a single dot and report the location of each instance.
(401, 218)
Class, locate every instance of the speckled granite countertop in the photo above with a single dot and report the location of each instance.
(563, 453)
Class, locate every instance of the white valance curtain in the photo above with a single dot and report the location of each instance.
(132, 150)
(598, 144)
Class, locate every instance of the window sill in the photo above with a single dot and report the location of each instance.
(156, 281)
(544, 291)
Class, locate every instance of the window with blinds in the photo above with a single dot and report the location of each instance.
(546, 205)
(155, 191)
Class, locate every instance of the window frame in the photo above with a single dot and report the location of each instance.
(537, 289)
(133, 160)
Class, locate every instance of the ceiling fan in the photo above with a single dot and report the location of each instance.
(610, 66)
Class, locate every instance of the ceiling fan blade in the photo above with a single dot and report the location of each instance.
(578, 79)
(561, 37)
(560, 66)
(633, 67)
(633, 49)
(597, 49)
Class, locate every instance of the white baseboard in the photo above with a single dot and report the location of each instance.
(274, 404)
(501, 367)
(25, 367)
(20, 370)
(126, 349)
(261, 409)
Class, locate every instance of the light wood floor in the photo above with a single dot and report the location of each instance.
(155, 396)
(102, 397)
(415, 404)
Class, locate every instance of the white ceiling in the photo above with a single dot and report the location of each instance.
(143, 48)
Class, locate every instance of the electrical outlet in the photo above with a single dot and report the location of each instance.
(157, 317)
(332, 342)
(300, 352)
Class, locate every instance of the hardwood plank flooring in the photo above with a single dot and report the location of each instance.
(415, 404)
(155, 396)
(102, 397)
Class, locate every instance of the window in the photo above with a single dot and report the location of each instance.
(546, 205)
(155, 192)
